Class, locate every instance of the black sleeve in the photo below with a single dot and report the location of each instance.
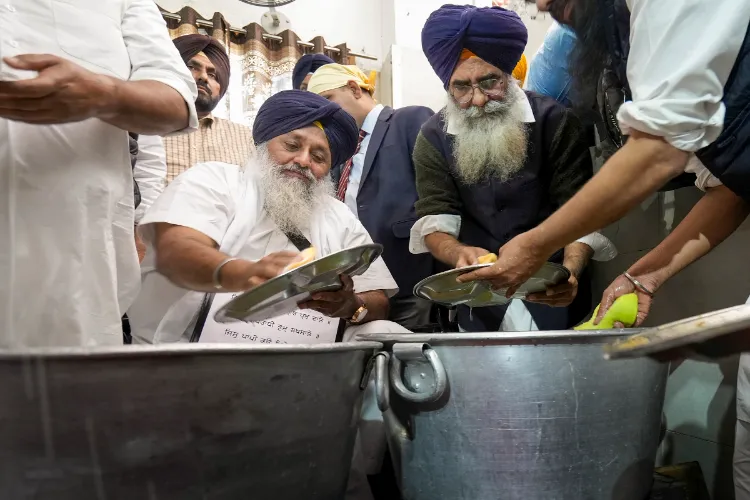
(569, 156)
(437, 190)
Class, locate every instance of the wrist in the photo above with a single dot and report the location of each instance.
(233, 276)
(356, 303)
(107, 103)
(539, 241)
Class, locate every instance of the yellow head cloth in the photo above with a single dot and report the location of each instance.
(519, 72)
(334, 76)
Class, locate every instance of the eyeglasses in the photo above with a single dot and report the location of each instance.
(491, 87)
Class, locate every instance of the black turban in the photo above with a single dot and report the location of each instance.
(309, 63)
(190, 45)
(294, 109)
(493, 34)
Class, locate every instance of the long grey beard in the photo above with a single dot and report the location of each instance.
(490, 142)
(289, 201)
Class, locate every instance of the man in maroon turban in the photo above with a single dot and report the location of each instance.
(208, 61)
(216, 139)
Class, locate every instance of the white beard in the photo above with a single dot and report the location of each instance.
(289, 201)
(489, 142)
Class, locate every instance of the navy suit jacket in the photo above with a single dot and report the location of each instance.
(388, 191)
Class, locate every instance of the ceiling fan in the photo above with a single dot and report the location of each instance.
(272, 21)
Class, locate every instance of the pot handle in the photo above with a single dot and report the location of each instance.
(414, 352)
(381, 381)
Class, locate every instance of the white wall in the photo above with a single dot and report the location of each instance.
(358, 23)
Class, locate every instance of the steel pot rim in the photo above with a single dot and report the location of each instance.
(181, 350)
(501, 338)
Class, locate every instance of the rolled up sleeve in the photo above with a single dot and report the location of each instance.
(201, 199)
(154, 57)
(677, 80)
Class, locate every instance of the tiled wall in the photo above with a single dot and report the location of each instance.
(700, 396)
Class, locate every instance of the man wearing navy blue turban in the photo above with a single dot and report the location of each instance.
(306, 66)
(496, 161)
(218, 230)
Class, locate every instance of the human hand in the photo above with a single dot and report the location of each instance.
(517, 261)
(561, 295)
(241, 275)
(623, 286)
(342, 303)
(62, 92)
(467, 256)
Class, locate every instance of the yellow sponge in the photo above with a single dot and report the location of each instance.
(624, 310)
(490, 258)
(307, 255)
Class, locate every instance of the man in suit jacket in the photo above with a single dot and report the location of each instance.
(378, 184)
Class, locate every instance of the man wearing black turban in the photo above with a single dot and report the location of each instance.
(495, 162)
(216, 139)
(305, 67)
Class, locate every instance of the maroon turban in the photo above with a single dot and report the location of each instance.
(190, 45)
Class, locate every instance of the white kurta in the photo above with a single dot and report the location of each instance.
(68, 265)
(226, 204)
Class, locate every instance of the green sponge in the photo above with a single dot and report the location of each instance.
(624, 310)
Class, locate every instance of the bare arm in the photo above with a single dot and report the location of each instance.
(717, 215)
(576, 257)
(452, 252)
(637, 170)
(188, 259)
(711, 221)
(377, 304)
(144, 107)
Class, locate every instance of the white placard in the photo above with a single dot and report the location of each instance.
(298, 327)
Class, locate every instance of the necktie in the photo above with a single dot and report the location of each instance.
(344, 180)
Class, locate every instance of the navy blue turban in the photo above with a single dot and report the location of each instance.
(496, 35)
(294, 109)
(309, 63)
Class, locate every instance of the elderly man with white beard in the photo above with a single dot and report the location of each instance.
(217, 228)
(495, 162)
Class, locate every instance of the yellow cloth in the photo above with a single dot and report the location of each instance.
(519, 72)
(334, 76)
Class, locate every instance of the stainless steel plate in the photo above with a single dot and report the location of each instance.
(281, 294)
(681, 333)
(444, 289)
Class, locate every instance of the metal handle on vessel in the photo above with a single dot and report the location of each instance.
(416, 352)
(381, 381)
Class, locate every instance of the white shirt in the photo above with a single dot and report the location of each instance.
(150, 172)
(358, 160)
(68, 265)
(226, 204)
(681, 55)
(603, 248)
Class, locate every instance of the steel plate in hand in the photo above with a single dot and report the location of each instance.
(680, 334)
(444, 289)
(280, 295)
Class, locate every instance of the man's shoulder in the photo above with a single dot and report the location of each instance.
(545, 106)
(434, 126)
(216, 170)
(413, 111)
